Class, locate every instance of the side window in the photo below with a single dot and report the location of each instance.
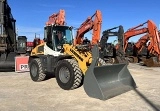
(22, 44)
(68, 36)
(60, 35)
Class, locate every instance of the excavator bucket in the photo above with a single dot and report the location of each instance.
(107, 81)
(152, 62)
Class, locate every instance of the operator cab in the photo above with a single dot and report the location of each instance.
(130, 49)
(21, 45)
(56, 36)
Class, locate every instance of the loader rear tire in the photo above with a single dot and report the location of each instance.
(36, 71)
(68, 74)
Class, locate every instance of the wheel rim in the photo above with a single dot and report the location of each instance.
(34, 70)
(64, 74)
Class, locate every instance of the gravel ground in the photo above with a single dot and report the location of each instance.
(19, 93)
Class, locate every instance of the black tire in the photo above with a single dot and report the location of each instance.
(36, 71)
(74, 78)
(101, 62)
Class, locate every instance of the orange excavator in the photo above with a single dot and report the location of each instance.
(57, 18)
(151, 36)
(95, 25)
(88, 25)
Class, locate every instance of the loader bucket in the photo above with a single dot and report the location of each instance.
(104, 82)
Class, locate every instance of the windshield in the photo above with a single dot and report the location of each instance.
(56, 36)
(63, 34)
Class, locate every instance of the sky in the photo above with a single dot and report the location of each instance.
(31, 15)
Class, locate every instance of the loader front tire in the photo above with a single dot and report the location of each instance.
(36, 71)
(68, 74)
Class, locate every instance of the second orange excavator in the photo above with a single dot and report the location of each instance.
(154, 43)
(88, 25)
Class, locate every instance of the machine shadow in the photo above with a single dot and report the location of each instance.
(49, 76)
(7, 70)
(147, 100)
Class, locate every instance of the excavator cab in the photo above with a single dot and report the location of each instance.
(130, 48)
(22, 45)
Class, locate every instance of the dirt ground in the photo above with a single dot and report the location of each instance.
(19, 93)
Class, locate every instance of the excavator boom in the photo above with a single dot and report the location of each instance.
(88, 25)
(133, 32)
(57, 18)
(154, 47)
(152, 36)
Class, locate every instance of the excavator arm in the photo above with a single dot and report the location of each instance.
(88, 25)
(154, 46)
(133, 32)
(57, 18)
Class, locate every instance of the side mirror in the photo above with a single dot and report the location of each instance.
(70, 27)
